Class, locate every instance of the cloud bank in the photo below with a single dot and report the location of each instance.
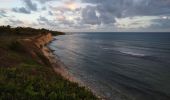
(108, 15)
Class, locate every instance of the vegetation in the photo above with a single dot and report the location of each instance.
(22, 78)
(25, 31)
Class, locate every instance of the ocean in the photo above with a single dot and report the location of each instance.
(118, 66)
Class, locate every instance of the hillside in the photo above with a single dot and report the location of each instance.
(28, 75)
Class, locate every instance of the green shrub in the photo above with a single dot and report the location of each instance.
(20, 82)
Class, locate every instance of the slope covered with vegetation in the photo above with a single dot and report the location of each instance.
(23, 78)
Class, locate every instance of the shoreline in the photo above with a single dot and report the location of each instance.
(57, 65)
(59, 68)
(26, 68)
(123, 94)
(38, 45)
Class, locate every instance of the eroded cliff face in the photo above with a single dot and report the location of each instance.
(35, 46)
(41, 40)
(39, 49)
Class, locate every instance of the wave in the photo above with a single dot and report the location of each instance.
(127, 52)
(133, 53)
(147, 57)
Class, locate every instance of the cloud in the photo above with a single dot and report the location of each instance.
(135, 22)
(93, 14)
(45, 1)
(108, 10)
(44, 8)
(58, 20)
(50, 13)
(44, 21)
(15, 22)
(3, 13)
(21, 10)
(89, 16)
(28, 7)
(161, 23)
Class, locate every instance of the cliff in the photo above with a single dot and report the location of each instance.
(36, 47)
(26, 71)
(47, 56)
(41, 40)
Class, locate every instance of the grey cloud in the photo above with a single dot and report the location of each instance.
(108, 10)
(15, 21)
(161, 23)
(44, 8)
(45, 21)
(89, 16)
(34, 24)
(53, 23)
(3, 13)
(21, 10)
(50, 13)
(111, 9)
(59, 14)
(45, 1)
(60, 8)
(28, 7)
(135, 7)
(148, 8)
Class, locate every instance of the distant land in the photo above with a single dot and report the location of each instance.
(26, 31)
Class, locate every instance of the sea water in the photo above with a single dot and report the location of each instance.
(119, 66)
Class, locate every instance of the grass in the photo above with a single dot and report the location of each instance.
(22, 78)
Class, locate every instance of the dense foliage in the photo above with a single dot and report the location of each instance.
(25, 31)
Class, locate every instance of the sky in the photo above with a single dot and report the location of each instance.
(87, 15)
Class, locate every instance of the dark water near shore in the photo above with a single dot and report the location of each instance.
(119, 66)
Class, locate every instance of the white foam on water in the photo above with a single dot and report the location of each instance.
(133, 53)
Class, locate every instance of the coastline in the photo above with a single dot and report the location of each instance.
(122, 94)
(38, 45)
(59, 68)
(57, 65)
(27, 72)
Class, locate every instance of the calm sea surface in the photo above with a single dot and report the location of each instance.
(119, 66)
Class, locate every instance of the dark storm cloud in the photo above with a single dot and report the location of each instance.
(111, 9)
(28, 7)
